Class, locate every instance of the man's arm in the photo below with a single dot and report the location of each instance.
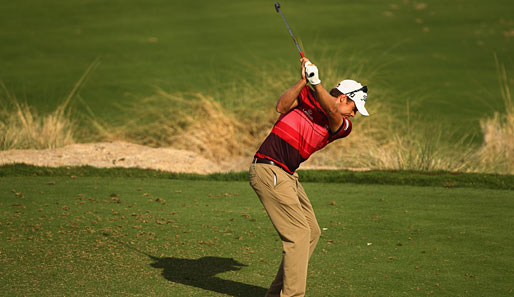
(327, 102)
(288, 100)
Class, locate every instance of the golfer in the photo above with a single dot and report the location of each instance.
(311, 117)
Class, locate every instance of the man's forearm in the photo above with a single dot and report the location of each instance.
(326, 100)
(328, 103)
(288, 99)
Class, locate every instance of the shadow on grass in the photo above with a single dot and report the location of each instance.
(201, 273)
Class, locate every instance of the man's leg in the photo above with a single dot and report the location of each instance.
(308, 211)
(315, 232)
(278, 193)
(278, 283)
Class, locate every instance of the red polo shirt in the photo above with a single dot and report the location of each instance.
(300, 132)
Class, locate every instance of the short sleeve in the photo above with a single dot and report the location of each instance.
(343, 131)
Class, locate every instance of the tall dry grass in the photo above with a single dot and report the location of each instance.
(497, 151)
(237, 119)
(22, 127)
(386, 141)
(194, 122)
(231, 122)
(234, 119)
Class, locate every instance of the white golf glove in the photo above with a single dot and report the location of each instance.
(311, 73)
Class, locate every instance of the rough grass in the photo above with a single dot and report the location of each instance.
(234, 119)
(193, 122)
(22, 127)
(497, 150)
(220, 131)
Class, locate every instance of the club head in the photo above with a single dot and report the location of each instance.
(277, 6)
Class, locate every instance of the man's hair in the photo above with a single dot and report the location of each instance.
(335, 92)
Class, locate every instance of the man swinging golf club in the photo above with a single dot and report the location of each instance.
(310, 118)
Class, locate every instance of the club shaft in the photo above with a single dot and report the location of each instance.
(291, 33)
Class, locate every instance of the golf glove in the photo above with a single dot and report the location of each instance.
(311, 73)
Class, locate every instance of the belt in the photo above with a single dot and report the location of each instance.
(269, 162)
(265, 161)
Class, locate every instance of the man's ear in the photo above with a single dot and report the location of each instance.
(342, 97)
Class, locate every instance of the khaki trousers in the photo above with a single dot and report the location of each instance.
(292, 215)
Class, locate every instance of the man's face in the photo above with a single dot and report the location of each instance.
(346, 106)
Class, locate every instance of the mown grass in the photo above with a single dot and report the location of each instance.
(440, 50)
(400, 177)
(122, 236)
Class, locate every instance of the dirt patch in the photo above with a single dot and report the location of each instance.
(122, 154)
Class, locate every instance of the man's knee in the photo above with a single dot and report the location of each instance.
(315, 233)
(296, 236)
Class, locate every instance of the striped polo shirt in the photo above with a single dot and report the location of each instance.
(299, 133)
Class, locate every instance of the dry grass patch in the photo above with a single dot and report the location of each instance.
(22, 127)
(193, 122)
(497, 151)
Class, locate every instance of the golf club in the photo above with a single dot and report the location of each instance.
(277, 8)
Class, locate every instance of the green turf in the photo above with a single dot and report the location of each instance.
(439, 56)
(390, 177)
(122, 236)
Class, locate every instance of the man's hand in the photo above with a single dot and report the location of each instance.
(311, 72)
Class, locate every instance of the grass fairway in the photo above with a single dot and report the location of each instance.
(121, 236)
